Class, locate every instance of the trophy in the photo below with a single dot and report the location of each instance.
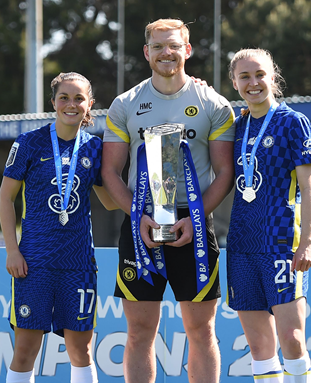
(162, 144)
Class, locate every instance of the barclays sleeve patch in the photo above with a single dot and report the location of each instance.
(12, 154)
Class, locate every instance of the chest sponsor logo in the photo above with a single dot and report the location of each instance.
(257, 178)
(190, 133)
(191, 111)
(54, 202)
(307, 143)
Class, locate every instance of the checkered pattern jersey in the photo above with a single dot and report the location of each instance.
(44, 241)
(270, 223)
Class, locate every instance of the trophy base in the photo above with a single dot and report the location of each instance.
(163, 234)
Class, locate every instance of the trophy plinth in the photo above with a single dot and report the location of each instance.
(166, 219)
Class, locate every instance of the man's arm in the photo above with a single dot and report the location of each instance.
(113, 161)
(221, 154)
(302, 256)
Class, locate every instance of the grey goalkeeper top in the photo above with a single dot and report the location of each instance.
(207, 116)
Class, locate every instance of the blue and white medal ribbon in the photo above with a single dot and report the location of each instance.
(142, 202)
(249, 193)
(63, 218)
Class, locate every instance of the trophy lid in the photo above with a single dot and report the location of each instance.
(167, 128)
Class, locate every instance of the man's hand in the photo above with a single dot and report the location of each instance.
(146, 224)
(183, 228)
(184, 231)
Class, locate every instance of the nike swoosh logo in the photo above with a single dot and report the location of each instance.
(140, 113)
(45, 159)
(239, 139)
(81, 318)
(280, 290)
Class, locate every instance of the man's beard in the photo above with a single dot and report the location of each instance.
(166, 72)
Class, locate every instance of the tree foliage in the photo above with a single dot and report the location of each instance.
(283, 28)
(12, 44)
(87, 32)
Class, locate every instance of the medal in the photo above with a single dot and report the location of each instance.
(249, 194)
(63, 217)
(64, 199)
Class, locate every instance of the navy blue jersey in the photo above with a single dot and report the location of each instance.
(44, 241)
(270, 223)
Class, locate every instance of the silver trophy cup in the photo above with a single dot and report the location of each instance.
(162, 149)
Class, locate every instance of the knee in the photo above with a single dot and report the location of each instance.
(261, 353)
(293, 343)
(80, 353)
(201, 332)
(25, 355)
(262, 347)
(80, 356)
(141, 332)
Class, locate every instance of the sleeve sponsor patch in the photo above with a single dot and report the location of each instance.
(12, 154)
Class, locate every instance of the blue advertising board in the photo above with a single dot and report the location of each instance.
(52, 364)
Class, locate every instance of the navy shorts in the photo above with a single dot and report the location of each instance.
(180, 267)
(54, 299)
(261, 281)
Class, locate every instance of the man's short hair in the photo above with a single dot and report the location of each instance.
(165, 25)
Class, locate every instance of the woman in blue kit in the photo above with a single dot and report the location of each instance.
(53, 267)
(269, 240)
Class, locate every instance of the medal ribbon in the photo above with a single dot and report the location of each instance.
(58, 166)
(249, 167)
(142, 202)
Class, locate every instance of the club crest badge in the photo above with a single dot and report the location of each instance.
(191, 111)
(24, 311)
(86, 162)
(129, 274)
(268, 141)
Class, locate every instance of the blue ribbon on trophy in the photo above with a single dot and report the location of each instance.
(197, 215)
(143, 261)
(155, 195)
